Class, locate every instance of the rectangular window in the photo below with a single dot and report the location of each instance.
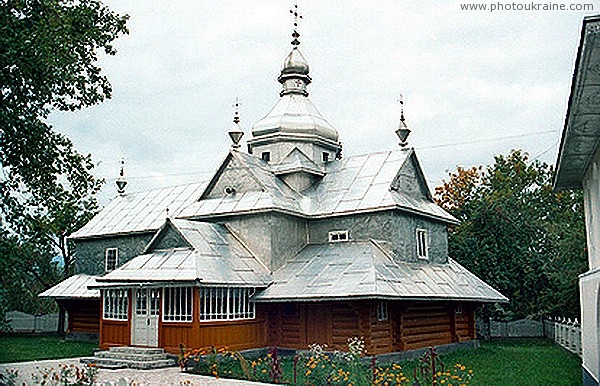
(325, 157)
(116, 304)
(177, 303)
(111, 259)
(225, 303)
(382, 311)
(266, 156)
(422, 247)
(338, 236)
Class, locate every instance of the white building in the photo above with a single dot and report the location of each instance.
(578, 166)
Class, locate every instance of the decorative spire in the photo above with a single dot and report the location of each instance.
(236, 132)
(403, 131)
(294, 75)
(121, 182)
(294, 11)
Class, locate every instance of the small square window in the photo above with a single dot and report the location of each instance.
(111, 259)
(325, 157)
(338, 236)
(459, 309)
(266, 156)
(382, 311)
(422, 247)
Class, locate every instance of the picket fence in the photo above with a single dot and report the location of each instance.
(567, 333)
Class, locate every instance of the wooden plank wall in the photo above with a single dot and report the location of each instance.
(410, 325)
(425, 324)
(299, 325)
(84, 315)
(115, 332)
(235, 334)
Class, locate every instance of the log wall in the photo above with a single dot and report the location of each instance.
(84, 315)
(410, 325)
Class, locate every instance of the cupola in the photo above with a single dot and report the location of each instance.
(294, 121)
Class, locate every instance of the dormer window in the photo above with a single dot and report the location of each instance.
(338, 236)
(266, 156)
(111, 259)
(422, 247)
(325, 156)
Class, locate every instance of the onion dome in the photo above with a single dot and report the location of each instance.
(295, 63)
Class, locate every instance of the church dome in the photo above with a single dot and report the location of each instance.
(295, 63)
(295, 114)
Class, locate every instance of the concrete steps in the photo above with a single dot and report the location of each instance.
(143, 358)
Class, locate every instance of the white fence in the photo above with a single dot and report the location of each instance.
(22, 322)
(563, 331)
(566, 333)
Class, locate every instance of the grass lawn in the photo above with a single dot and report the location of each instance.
(519, 362)
(20, 348)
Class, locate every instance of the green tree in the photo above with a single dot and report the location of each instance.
(48, 61)
(518, 234)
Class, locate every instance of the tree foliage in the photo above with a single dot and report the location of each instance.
(48, 61)
(518, 234)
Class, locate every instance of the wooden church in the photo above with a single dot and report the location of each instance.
(288, 244)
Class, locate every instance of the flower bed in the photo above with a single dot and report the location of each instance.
(319, 367)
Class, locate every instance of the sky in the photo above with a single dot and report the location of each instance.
(475, 83)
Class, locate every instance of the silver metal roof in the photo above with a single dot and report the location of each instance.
(75, 286)
(354, 184)
(295, 114)
(297, 161)
(140, 212)
(217, 257)
(369, 270)
(581, 133)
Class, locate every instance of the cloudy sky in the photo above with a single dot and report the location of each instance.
(476, 83)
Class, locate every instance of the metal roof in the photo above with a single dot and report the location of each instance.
(295, 161)
(354, 184)
(581, 133)
(140, 212)
(75, 286)
(294, 114)
(216, 257)
(368, 269)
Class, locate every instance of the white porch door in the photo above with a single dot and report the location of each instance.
(145, 318)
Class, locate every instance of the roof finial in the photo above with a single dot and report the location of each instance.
(294, 11)
(401, 101)
(236, 132)
(121, 182)
(403, 131)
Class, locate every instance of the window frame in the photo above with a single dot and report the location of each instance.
(115, 304)
(106, 252)
(339, 236)
(382, 311)
(221, 304)
(180, 310)
(422, 244)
